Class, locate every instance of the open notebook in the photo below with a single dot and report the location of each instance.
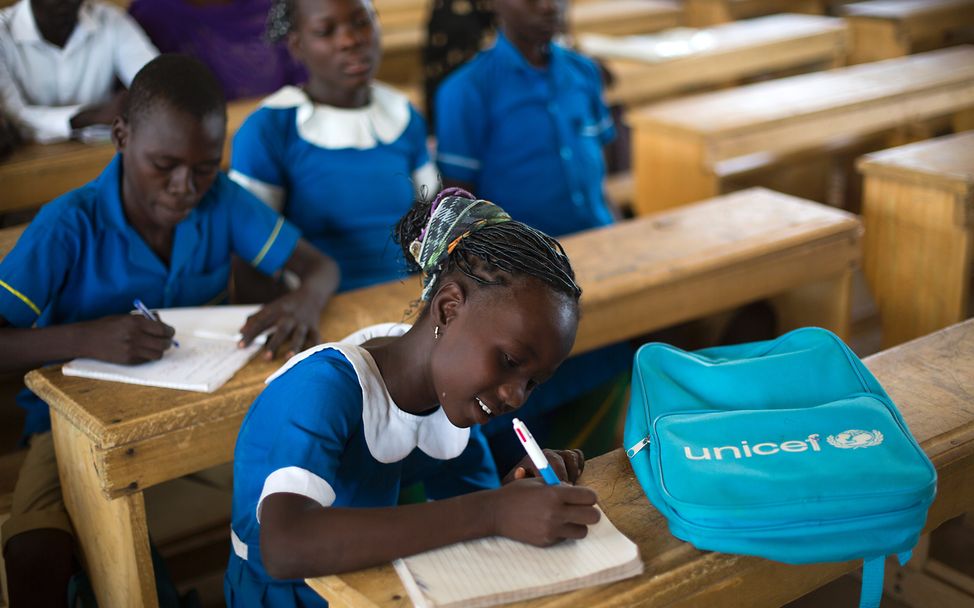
(206, 358)
(496, 570)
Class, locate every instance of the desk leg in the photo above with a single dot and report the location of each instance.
(825, 303)
(668, 171)
(112, 533)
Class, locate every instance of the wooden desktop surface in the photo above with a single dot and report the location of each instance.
(932, 382)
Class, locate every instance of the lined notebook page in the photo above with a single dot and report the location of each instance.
(206, 358)
(496, 570)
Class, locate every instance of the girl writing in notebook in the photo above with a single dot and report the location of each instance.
(321, 453)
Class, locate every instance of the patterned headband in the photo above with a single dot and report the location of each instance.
(454, 215)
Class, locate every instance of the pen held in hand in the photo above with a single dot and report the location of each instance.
(535, 453)
(139, 306)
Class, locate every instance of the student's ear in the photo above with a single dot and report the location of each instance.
(447, 303)
(294, 46)
(120, 133)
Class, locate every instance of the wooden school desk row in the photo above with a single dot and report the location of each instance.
(932, 382)
(882, 29)
(702, 13)
(918, 212)
(116, 440)
(697, 147)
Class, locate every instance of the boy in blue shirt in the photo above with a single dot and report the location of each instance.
(524, 123)
(161, 223)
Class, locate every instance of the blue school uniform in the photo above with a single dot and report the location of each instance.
(343, 443)
(530, 139)
(343, 176)
(80, 259)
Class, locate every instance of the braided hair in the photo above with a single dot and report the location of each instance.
(280, 20)
(486, 246)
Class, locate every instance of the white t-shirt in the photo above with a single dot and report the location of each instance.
(43, 86)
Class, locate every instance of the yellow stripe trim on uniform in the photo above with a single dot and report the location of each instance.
(23, 298)
(270, 241)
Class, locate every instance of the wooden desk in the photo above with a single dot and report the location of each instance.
(621, 17)
(883, 28)
(115, 440)
(37, 173)
(688, 149)
(918, 211)
(932, 382)
(701, 13)
(718, 55)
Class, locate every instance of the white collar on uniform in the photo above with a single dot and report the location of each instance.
(23, 27)
(390, 433)
(383, 120)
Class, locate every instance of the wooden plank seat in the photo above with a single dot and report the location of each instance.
(115, 440)
(690, 148)
(621, 17)
(701, 13)
(647, 68)
(918, 211)
(931, 380)
(882, 29)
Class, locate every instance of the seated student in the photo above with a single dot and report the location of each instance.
(160, 223)
(316, 479)
(524, 122)
(227, 36)
(343, 157)
(60, 59)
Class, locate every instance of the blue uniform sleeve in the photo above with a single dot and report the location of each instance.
(416, 134)
(321, 403)
(257, 159)
(603, 127)
(33, 272)
(461, 127)
(260, 235)
(471, 471)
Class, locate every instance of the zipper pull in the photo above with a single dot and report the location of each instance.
(631, 452)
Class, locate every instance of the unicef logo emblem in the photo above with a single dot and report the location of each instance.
(854, 438)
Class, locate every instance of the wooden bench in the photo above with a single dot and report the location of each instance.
(932, 382)
(892, 28)
(918, 212)
(116, 440)
(696, 147)
(621, 17)
(702, 13)
(647, 68)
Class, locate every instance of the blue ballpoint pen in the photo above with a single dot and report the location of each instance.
(142, 308)
(537, 456)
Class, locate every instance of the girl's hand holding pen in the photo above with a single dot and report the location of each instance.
(126, 339)
(530, 511)
(566, 464)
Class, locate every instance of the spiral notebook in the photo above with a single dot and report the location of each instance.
(495, 570)
(207, 356)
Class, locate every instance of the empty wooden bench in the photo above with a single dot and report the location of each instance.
(620, 17)
(931, 380)
(892, 28)
(701, 13)
(918, 212)
(116, 440)
(696, 147)
(647, 68)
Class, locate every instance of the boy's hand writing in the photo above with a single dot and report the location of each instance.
(530, 511)
(293, 318)
(127, 339)
(567, 465)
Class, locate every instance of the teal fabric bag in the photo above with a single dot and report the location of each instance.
(787, 449)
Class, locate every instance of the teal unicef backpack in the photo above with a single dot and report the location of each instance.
(787, 449)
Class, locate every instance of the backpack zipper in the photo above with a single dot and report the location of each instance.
(631, 452)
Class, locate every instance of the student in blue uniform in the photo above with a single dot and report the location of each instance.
(161, 224)
(316, 478)
(524, 122)
(343, 157)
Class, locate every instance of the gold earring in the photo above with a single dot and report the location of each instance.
(436, 332)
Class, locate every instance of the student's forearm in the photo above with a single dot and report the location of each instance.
(318, 542)
(29, 348)
(319, 273)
